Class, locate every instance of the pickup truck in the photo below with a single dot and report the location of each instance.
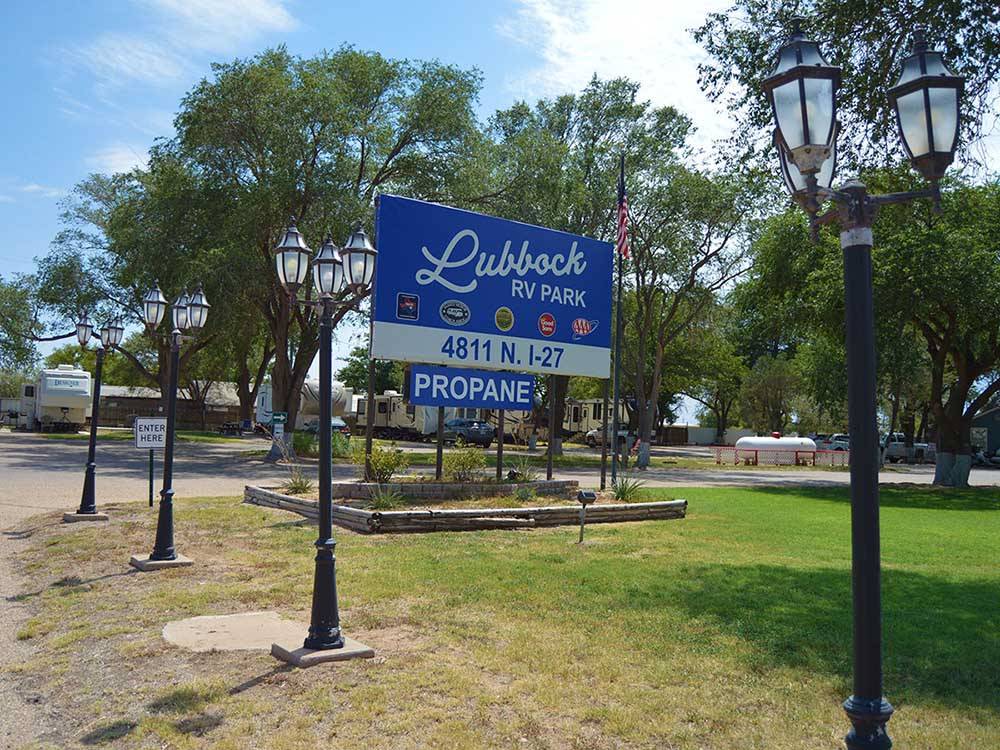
(896, 449)
(835, 442)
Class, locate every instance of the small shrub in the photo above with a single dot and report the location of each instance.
(520, 469)
(305, 444)
(297, 483)
(386, 462)
(525, 494)
(626, 489)
(382, 498)
(341, 445)
(464, 464)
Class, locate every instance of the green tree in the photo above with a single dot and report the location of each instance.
(868, 40)
(354, 374)
(17, 350)
(768, 394)
(318, 138)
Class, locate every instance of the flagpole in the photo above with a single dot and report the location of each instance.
(616, 388)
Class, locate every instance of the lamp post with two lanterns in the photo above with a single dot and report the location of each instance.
(353, 268)
(189, 312)
(802, 93)
(110, 337)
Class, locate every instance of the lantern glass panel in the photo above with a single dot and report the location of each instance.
(115, 333)
(180, 313)
(788, 112)
(913, 122)
(819, 108)
(944, 117)
(84, 330)
(197, 311)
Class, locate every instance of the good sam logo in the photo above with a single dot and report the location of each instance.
(455, 312)
(546, 324)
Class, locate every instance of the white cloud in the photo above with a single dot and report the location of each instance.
(43, 190)
(646, 40)
(221, 24)
(177, 31)
(117, 157)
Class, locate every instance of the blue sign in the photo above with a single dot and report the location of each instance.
(454, 386)
(464, 289)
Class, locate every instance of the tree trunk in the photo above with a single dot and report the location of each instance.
(954, 450)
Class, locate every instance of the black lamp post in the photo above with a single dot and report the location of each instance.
(332, 271)
(187, 313)
(111, 336)
(802, 92)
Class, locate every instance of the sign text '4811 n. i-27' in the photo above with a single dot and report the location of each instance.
(464, 289)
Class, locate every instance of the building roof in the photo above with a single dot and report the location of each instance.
(219, 394)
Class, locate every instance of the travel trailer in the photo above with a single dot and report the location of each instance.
(58, 401)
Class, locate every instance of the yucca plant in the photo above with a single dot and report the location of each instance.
(626, 489)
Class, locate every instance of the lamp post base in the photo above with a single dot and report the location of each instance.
(145, 563)
(301, 657)
(78, 517)
(869, 718)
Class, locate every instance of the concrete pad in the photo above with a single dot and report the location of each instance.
(142, 562)
(78, 517)
(243, 632)
(295, 654)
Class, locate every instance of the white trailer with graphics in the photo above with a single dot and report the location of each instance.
(58, 401)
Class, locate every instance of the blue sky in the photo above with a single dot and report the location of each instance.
(90, 85)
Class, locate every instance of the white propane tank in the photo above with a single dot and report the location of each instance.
(774, 450)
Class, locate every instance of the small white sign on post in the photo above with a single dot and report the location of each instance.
(150, 432)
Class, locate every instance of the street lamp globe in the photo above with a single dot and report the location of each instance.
(926, 101)
(197, 309)
(154, 307)
(292, 259)
(802, 92)
(359, 261)
(84, 330)
(179, 311)
(795, 182)
(111, 334)
(328, 269)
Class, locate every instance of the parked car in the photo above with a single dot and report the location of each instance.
(471, 431)
(896, 449)
(836, 442)
(336, 425)
(597, 436)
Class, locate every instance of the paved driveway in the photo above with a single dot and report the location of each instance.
(38, 474)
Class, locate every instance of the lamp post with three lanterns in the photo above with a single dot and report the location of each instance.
(189, 312)
(351, 268)
(802, 93)
(110, 337)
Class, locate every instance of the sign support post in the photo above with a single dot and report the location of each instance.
(150, 477)
(500, 430)
(438, 464)
(604, 439)
(552, 426)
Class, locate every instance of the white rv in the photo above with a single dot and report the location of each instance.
(308, 414)
(59, 401)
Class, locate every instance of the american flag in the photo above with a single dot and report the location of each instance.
(622, 244)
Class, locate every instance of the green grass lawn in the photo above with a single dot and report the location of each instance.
(728, 629)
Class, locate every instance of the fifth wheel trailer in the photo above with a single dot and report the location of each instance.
(308, 413)
(58, 401)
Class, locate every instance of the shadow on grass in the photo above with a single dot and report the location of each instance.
(942, 638)
(70, 584)
(915, 497)
(108, 732)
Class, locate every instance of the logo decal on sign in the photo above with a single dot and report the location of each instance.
(504, 318)
(407, 306)
(455, 312)
(546, 324)
(582, 327)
